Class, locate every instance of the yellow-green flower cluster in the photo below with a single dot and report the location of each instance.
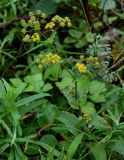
(94, 60)
(52, 58)
(38, 13)
(50, 25)
(61, 21)
(34, 24)
(35, 37)
(23, 23)
(27, 38)
(49, 58)
(81, 67)
(24, 31)
(87, 117)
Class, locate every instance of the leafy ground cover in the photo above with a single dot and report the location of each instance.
(62, 80)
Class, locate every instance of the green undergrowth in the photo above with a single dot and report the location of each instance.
(62, 80)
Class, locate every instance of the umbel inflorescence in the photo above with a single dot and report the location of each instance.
(49, 58)
(32, 32)
(32, 27)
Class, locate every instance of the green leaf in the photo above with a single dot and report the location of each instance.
(70, 40)
(66, 82)
(115, 115)
(70, 121)
(96, 90)
(58, 1)
(27, 100)
(48, 7)
(16, 82)
(32, 149)
(97, 87)
(88, 108)
(52, 72)
(59, 129)
(80, 43)
(4, 147)
(48, 148)
(13, 7)
(56, 70)
(35, 82)
(75, 33)
(48, 114)
(74, 145)
(47, 87)
(120, 15)
(107, 5)
(11, 154)
(49, 139)
(97, 98)
(33, 106)
(118, 147)
(15, 115)
(100, 123)
(17, 91)
(2, 88)
(98, 151)
(18, 153)
(9, 88)
(5, 126)
(83, 83)
(90, 37)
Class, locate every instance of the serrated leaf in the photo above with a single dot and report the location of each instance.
(35, 82)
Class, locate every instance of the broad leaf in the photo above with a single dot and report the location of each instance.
(48, 7)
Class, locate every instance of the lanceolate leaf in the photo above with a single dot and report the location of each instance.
(118, 147)
(27, 100)
(98, 151)
(70, 121)
(74, 145)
